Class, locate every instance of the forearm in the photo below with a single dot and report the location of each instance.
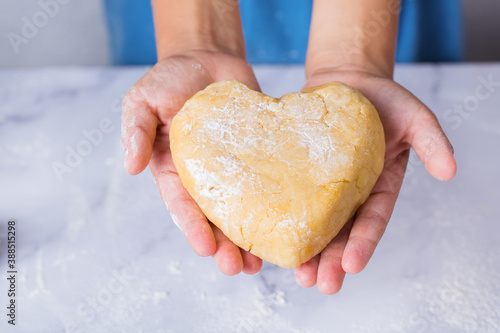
(353, 35)
(211, 25)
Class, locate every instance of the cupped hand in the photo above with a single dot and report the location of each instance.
(408, 123)
(148, 109)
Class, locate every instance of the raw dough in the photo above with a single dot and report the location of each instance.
(280, 177)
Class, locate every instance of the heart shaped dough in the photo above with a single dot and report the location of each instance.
(280, 177)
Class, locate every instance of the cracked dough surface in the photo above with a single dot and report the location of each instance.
(280, 177)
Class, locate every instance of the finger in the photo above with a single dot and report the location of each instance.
(251, 263)
(373, 216)
(431, 145)
(330, 272)
(138, 133)
(306, 274)
(183, 209)
(187, 214)
(227, 256)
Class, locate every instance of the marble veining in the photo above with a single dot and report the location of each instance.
(98, 251)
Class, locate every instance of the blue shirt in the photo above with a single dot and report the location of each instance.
(276, 31)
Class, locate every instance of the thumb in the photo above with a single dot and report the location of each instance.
(431, 145)
(138, 134)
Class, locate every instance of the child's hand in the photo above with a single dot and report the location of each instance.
(148, 110)
(408, 123)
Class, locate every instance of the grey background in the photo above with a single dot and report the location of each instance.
(77, 34)
(482, 29)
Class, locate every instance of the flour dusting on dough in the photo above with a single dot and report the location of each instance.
(269, 172)
(209, 183)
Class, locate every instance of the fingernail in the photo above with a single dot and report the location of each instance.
(176, 220)
(298, 277)
(125, 159)
(174, 217)
(134, 144)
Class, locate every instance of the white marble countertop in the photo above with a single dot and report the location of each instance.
(98, 252)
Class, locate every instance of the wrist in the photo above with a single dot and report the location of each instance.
(329, 62)
(196, 44)
(357, 37)
(198, 25)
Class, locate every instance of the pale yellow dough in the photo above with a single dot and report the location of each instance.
(280, 177)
